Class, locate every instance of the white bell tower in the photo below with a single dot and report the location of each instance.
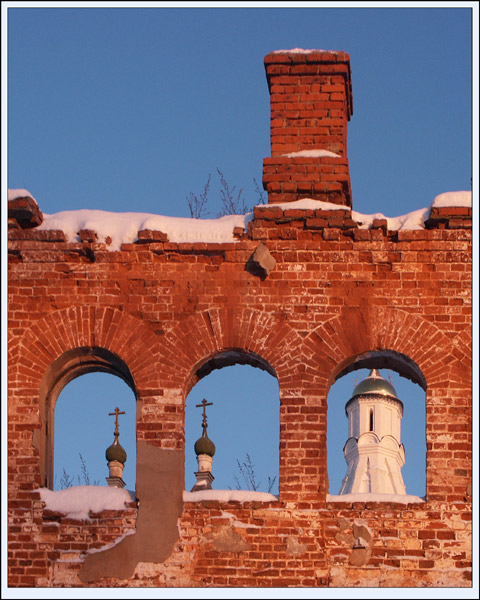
(373, 451)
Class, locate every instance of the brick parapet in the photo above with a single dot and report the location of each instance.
(23, 213)
(255, 544)
(271, 222)
(449, 217)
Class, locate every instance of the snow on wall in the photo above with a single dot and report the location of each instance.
(234, 521)
(312, 153)
(228, 495)
(303, 51)
(453, 199)
(401, 498)
(307, 204)
(14, 194)
(75, 502)
(108, 546)
(124, 227)
(410, 221)
(417, 218)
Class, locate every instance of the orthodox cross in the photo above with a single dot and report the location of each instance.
(116, 412)
(204, 422)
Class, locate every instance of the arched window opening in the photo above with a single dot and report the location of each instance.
(397, 423)
(67, 367)
(243, 422)
(85, 427)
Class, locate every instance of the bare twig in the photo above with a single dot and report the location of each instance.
(260, 192)
(85, 475)
(198, 204)
(65, 481)
(246, 471)
(232, 204)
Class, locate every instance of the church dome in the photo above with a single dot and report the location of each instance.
(204, 445)
(375, 384)
(116, 452)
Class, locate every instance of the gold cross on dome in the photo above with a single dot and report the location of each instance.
(204, 403)
(116, 412)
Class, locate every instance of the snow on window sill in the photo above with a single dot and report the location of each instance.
(229, 496)
(399, 498)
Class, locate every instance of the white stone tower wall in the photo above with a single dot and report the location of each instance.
(374, 452)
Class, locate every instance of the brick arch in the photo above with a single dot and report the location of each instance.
(430, 356)
(93, 327)
(215, 338)
(71, 342)
(419, 351)
(463, 349)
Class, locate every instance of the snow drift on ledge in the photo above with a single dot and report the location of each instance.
(14, 194)
(312, 154)
(400, 498)
(77, 501)
(304, 51)
(229, 496)
(124, 227)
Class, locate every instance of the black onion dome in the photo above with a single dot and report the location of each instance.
(204, 445)
(116, 452)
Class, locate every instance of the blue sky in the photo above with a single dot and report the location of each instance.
(125, 108)
(131, 109)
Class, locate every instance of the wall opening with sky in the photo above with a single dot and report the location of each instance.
(244, 419)
(413, 429)
(84, 427)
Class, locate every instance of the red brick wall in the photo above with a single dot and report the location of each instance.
(311, 104)
(164, 309)
(156, 312)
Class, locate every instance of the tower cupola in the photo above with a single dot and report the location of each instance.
(116, 456)
(204, 449)
(373, 451)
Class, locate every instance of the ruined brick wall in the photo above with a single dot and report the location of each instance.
(162, 315)
(311, 104)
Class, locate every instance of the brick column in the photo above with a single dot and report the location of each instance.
(311, 104)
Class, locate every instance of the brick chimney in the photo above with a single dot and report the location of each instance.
(310, 104)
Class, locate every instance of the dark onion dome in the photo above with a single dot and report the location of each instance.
(116, 452)
(204, 445)
(375, 384)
